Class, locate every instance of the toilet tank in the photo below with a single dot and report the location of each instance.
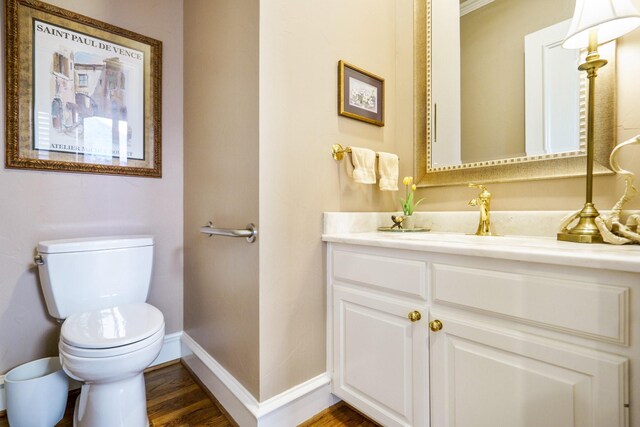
(87, 274)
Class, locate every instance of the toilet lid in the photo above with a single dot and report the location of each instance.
(112, 327)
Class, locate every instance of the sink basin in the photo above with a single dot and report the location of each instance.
(436, 236)
(462, 238)
(441, 236)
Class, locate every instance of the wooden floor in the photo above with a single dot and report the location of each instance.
(174, 399)
(339, 414)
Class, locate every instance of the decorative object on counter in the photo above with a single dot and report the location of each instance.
(362, 167)
(594, 22)
(400, 225)
(388, 170)
(360, 94)
(611, 228)
(397, 221)
(484, 202)
(408, 204)
(81, 95)
(403, 230)
(409, 222)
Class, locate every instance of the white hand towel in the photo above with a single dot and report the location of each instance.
(364, 165)
(388, 169)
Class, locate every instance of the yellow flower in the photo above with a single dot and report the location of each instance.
(407, 180)
(413, 187)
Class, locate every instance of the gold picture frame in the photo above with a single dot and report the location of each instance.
(360, 94)
(81, 95)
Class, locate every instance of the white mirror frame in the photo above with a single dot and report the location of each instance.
(546, 166)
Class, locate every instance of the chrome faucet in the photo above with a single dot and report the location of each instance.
(484, 202)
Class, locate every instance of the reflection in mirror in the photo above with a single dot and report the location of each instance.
(501, 111)
(501, 92)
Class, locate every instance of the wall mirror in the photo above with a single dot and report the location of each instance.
(498, 99)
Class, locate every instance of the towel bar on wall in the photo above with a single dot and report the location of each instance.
(338, 152)
(250, 232)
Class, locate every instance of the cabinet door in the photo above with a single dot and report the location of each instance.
(380, 357)
(484, 376)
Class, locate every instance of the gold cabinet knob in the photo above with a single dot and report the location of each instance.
(435, 325)
(414, 316)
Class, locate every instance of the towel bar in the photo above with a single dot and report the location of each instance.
(338, 152)
(250, 232)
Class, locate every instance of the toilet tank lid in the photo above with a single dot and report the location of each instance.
(94, 244)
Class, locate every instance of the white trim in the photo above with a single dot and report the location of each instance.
(245, 398)
(172, 349)
(469, 6)
(329, 326)
(289, 408)
(231, 403)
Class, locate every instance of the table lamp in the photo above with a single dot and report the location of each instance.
(594, 22)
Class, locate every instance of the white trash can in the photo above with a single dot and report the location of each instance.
(36, 393)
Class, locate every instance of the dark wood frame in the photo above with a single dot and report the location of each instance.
(346, 70)
(19, 90)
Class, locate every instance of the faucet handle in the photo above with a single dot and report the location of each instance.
(484, 193)
(480, 186)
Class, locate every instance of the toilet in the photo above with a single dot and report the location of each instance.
(99, 286)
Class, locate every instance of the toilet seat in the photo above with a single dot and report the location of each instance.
(111, 331)
(70, 350)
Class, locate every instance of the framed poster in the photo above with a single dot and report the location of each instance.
(81, 95)
(360, 94)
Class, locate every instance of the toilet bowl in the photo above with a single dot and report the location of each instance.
(108, 350)
(99, 286)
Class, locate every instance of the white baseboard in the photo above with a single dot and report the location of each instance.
(289, 408)
(172, 349)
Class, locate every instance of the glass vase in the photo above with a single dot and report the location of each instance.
(408, 223)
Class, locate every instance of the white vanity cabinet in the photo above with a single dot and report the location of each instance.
(486, 376)
(380, 355)
(522, 343)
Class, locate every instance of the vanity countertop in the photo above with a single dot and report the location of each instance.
(519, 248)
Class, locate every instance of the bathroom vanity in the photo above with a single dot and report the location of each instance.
(444, 329)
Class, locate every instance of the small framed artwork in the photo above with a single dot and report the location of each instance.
(360, 94)
(82, 95)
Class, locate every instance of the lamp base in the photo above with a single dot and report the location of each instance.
(580, 238)
(586, 230)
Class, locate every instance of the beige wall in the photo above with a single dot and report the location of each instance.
(221, 181)
(492, 74)
(261, 313)
(300, 45)
(46, 205)
(567, 194)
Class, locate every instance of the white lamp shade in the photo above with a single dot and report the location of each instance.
(611, 18)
